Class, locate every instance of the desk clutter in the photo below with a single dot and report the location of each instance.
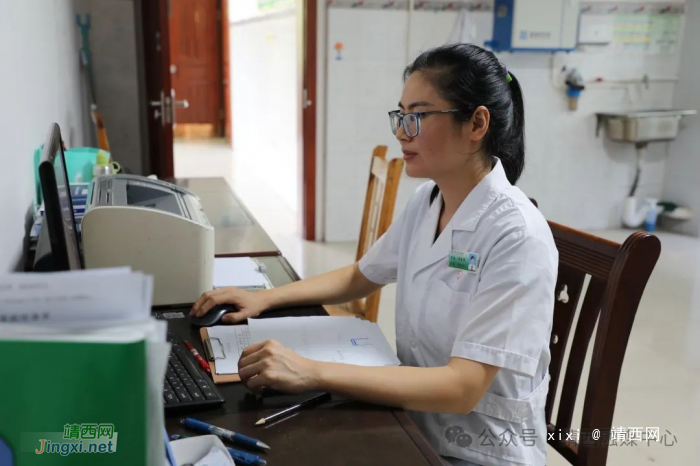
(89, 361)
(90, 334)
(79, 196)
(92, 366)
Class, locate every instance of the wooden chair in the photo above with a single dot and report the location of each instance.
(618, 276)
(383, 184)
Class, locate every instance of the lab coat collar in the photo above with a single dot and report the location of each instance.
(466, 218)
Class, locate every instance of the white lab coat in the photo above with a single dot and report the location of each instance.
(501, 314)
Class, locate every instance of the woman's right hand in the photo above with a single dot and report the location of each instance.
(248, 304)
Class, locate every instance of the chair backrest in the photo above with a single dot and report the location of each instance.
(618, 275)
(378, 213)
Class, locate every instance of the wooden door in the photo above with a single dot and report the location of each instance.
(195, 65)
(310, 12)
(226, 70)
(155, 47)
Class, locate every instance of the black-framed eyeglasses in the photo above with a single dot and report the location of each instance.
(411, 121)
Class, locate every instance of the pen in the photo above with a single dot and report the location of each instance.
(169, 451)
(246, 459)
(202, 363)
(310, 402)
(225, 434)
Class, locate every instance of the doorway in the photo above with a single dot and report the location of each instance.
(186, 48)
(196, 66)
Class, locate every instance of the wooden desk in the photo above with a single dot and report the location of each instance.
(340, 432)
(237, 231)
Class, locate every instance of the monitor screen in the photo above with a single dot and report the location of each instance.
(58, 205)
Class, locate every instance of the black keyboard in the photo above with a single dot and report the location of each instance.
(186, 385)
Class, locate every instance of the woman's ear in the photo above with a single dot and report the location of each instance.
(479, 123)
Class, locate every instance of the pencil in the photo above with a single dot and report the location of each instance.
(323, 397)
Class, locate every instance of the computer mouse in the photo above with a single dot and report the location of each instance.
(214, 315)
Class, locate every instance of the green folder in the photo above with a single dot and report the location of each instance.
(48, 389)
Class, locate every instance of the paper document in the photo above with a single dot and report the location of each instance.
(215, 457)
(227, 343)
(241, 272)
(76, 298)
(347, 340)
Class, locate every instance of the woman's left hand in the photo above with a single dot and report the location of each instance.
(271, 364)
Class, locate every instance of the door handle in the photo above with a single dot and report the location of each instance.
(177, 104)
(163, 109)
(305, 102)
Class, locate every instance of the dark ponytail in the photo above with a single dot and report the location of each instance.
(468, 76)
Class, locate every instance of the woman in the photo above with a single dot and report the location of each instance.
(474, 345)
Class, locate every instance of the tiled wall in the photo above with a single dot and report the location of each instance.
(578, 179)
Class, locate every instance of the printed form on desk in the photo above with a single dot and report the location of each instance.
(346, 340)
(231, 340)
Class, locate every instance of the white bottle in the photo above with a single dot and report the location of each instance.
(102, 166)
(652, 213)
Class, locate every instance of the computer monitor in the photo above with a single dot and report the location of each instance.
(58, 205)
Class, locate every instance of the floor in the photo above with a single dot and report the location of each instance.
(660, 383)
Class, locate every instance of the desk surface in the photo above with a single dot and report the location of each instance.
(340, 432)
(237, 233)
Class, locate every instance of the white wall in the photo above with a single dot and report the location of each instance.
(266, 99)
(39, 84)
(682, 182)
(577, 179)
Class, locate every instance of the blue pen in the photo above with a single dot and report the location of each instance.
(169, 451)
(246, 459)
(231, 436)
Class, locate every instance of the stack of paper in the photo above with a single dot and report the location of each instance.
(241, 272)
(87, 364)
(80, 298)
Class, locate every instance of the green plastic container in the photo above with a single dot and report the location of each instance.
(79, 163)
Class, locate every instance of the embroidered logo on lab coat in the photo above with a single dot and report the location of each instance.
(466, 261)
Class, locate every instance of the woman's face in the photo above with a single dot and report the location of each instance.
(442, 146)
